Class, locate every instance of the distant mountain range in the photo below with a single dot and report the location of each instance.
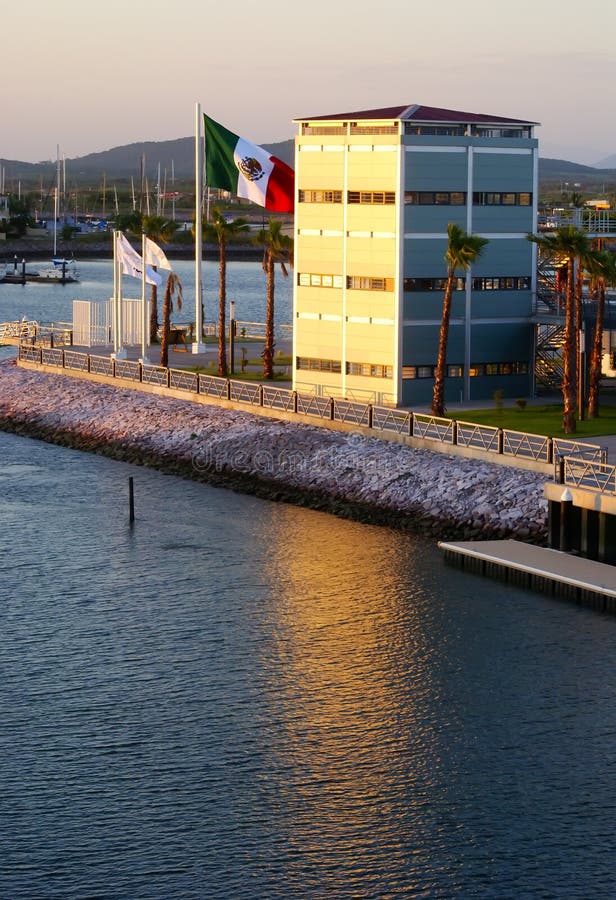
(120, 164)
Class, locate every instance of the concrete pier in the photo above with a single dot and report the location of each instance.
(538, 568)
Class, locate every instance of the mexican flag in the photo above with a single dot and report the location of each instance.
(246, 170)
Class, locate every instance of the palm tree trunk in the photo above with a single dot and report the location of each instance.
(579, 281)
(268, 346)
(438, 395)
(222, 303)
(596, 356)
(164, 338)
(569, 356)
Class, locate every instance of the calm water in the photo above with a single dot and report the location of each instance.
(239, 699)
(54, 303)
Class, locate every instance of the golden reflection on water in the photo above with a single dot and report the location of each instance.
(350, 639)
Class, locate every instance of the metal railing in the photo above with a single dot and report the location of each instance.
(480, 437)
(529, 446)
(18, 330)
(494, 442)
(432, 428)
(574, 471)
(398, 421)
(245, 392)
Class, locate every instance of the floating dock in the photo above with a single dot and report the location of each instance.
(538, 568)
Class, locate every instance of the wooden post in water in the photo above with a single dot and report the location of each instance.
(131, 500)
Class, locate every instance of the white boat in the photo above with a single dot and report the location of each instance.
(61, 271)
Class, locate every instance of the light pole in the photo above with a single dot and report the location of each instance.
(232, 336)
(581, 373)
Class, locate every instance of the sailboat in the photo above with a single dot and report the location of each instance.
(61, 270)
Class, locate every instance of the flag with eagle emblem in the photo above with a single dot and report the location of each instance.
(246, 170)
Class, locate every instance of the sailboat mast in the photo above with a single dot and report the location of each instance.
(56, 204)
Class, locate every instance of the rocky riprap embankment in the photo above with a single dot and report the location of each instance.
(364, 478)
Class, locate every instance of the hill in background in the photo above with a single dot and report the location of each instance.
(120, 164)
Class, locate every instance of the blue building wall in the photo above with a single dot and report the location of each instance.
(491, 342)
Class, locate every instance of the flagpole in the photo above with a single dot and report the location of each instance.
(144, 307)
(121, 353)
(114, 299)
(198, 346)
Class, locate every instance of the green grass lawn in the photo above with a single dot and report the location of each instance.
(539, 420)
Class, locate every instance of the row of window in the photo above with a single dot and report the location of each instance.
(477, 370)
(377, 198)
(458, 198)
(420, 198)
(482, 131)
(366, 283)
(369, 370)
(489, 283)
(464, 131)
(354, 128)
(372, 197)
(353, 282)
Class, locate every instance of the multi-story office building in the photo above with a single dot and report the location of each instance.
(375, 193)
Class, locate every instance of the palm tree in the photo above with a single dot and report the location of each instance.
(222, 230)
(569, 244)
(161, 231)
(277, 248)
(173, 285)
(603, 273)
(462, 251)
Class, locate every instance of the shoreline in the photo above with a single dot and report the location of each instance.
(360, 478)
(36, 249)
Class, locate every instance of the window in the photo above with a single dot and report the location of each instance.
(367, 283)
(442, 130)
(476, 370)
(324, 196)
(432, 284)
(425, 371)
(500, 283)
(371, 197)
(305, 279)
(307, 128)
(435, 198)
(373, 129)
(506, 368)
(492, 132)
(499, 198)
(318, 365)
(369, 370)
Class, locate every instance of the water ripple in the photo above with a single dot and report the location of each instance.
(238, 699)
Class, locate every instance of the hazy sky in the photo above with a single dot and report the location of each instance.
(89, 76)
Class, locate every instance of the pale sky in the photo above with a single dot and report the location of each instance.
(89, 76)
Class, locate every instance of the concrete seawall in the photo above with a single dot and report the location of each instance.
(347, 474)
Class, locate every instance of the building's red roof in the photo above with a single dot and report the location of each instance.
(415, 113)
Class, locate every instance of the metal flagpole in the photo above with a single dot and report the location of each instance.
(144, 307)
(198, 346)
(114, 299)
(120, 352)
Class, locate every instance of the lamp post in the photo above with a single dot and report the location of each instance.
(581, 373)
(232, 336)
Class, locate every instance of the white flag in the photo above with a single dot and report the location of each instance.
(131, 264)
(154, 256)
